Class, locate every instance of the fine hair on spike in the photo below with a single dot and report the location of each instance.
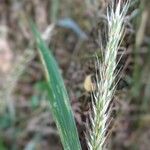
(102, 98)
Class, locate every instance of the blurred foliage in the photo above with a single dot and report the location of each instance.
(75, 57)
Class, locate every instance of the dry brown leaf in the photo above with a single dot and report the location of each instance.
(89, 86)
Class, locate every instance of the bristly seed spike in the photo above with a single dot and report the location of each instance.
(105, 77)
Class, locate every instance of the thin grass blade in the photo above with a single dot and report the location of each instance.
(58, 97)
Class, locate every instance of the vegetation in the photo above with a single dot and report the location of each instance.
(59, 100)
(102, 99)
(95, 57)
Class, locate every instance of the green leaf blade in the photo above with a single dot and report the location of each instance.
(59, 100)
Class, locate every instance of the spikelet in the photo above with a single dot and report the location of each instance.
(101, 100)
